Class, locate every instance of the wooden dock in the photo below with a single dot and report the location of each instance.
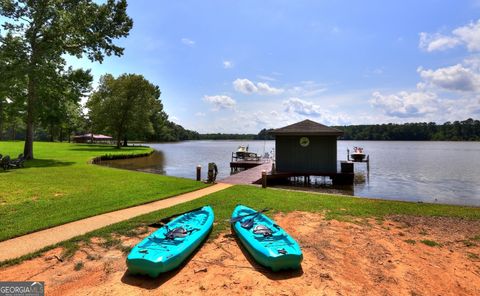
(249, 176)
(238, 165)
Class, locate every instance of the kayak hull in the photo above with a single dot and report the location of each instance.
(157, 253)
(278, 251)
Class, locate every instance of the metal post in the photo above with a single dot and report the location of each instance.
(368, 168)
(264, 179)
(199, 172)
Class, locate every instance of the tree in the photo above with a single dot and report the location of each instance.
(124, 106)
(47, 30)
(12, 85)
(61, 103)
(265, 134)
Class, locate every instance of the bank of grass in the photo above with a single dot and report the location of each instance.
(223, 202)
(60, 186)
(332, 206)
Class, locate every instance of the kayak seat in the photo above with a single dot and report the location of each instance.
(263, 230)
(178, 232)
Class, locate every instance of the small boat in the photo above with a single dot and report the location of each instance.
(243, 153)
(168, 247)
(358, 154)
(268, 243)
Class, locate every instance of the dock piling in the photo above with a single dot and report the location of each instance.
(199, 172)
(264, 179)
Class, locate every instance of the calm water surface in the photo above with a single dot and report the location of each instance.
(437, 172)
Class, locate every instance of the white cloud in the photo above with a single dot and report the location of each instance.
(220, 102)
(443, 94)
(473, 62)
(264, 88)
(188, 42)
(301, 107)
(468, 35)
(248, 87)
(433, 42)
(455, 77)
(200, 114)
(266, 78)
(470, 108)
(405, 104)
(227, 64)
(244, 86)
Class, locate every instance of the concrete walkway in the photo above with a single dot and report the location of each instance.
(29, 243)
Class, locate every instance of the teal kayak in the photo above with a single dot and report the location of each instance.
(268, 243)
(169, 246)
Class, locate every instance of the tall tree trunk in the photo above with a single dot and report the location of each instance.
(61, 134)
(28, 148)
(1, 121)
(51, 133)
(125, 142)
(14, 132)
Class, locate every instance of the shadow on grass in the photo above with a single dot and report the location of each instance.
(277, 275)
(149, 283)
(93, 147)
(41, 163)
(104, 148)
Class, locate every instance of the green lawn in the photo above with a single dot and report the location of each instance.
(60, 186)
(332, 206)
(223, 203)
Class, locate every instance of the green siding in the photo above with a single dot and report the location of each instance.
(320, 156)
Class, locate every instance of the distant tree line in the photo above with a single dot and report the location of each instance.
(262, 135)
(467, 130)
(219, 136)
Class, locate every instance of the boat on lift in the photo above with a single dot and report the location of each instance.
(242, 153)
(358, 154)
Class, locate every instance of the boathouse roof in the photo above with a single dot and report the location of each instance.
(307, 127)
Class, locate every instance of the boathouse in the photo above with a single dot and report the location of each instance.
(306, 147)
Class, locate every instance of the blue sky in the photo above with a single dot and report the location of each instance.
(240, 66)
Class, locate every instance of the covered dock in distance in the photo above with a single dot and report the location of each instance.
(305, 149)
(92, 138)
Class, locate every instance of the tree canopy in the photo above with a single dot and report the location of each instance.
(124, 106)
(38, 36)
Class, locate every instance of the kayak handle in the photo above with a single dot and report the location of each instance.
(238, 218)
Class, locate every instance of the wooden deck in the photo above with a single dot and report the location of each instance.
(235, 166)
(249, 176)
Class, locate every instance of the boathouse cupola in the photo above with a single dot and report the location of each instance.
(306, 147)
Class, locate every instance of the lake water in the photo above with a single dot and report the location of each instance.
(436, 172)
